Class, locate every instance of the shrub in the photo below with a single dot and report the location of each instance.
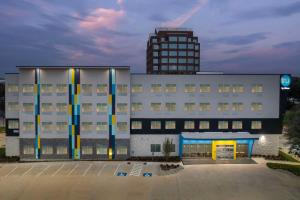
(295, 169)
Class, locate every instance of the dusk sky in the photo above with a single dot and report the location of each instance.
(258, 36)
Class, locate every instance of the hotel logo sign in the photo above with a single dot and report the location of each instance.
(285, 81)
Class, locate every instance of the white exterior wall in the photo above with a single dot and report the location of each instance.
(12, 146)
(269, 98)
(268, 144)
(141, 144)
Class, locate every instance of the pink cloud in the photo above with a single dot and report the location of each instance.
(186, 16)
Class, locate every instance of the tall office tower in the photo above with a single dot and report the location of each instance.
(173, 51)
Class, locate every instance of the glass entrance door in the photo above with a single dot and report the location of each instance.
(225, 152)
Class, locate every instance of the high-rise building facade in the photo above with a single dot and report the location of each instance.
(173, 51)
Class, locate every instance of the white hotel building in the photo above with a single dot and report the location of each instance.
(100, 113)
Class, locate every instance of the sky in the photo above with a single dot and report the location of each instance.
(235, 36)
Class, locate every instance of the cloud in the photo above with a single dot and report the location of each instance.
(270, 12)
(235, 40)
(179, 21)
(292, 45)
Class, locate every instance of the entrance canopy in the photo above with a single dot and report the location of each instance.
(218, 135)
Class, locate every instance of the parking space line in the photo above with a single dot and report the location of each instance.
(58, 169)
(98, 174)
(117, 169)
(27, 171)
(11, 171)
(86, 171)
(72, 169)
(42, 171)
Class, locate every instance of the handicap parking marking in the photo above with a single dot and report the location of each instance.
(117, 169)
(121, 174)
(147, 174)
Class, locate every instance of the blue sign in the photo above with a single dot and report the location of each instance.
(147, 174)
(121, 174)
(285, 81)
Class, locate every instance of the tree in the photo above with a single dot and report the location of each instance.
(292, 123)
(167, 148)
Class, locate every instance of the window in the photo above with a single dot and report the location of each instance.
(155, 106)
(205, 107)
(191, 60)
(237, 88)
(87, 150)
(154, 40)
(237, 107)
(164, 53)
(155, 147)
(173, 46)
(256, 107)
(190, 88)
(136, 107)
(172, 147)
(182, 39)
(155, 46)
(223, 125)
(164, 60)
(237, 125)
(257, 88)
(182, 53)
(122, 126)
(13, 124)
(182, 68)
(47, 149)
(173, 53)
(170, 88)
(171, 107)
(61, 150)
(87, 108)
(61, 89)
(189, 107)
(190, 53)
(256, 125)
(224, 88)
(190, 46)
(172, 60)
(164, 46)
(155, 125)
(101, 126)
(204, 88)
(170, 125)
(196, 47)
(61, 108)
(137, 88)
(28, 126)
(182, 46)
(136, 125)
(122, 89)
(164, 67)
(47, 108)
(173, 39)
(101, 89)
(12, 88)
(101, 108)
(189, 124)
(181, 60)
(28, 149)
(155, 53)
(28, 107)
(155, 61)
(61, 126)
(223, 107)
(172, 67)
(87, 89)
(86, 126)
(121, 150)
(156, 88)
(190, 68)
(47, 127)
(46, 89)
(101, 150)
(204, 125)
(27, 89)
(122, 108)
(13, 106)
(155, 67)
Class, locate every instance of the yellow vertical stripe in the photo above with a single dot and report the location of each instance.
(35, 89)
(113, 119)
(39, 142)
(78, 141)
(38, 119)
(70, 109)
(78, 88)
(73, 129)
(110, 153)
(75, 99)
(109, 101)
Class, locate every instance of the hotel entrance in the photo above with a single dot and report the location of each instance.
(197, 150)
(225, 152)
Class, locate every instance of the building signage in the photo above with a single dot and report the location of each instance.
(285, 81)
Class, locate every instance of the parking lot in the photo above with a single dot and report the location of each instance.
(79, 168)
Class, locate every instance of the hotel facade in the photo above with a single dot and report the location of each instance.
(106, 112)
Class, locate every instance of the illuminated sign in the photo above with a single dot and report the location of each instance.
(285, 81)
